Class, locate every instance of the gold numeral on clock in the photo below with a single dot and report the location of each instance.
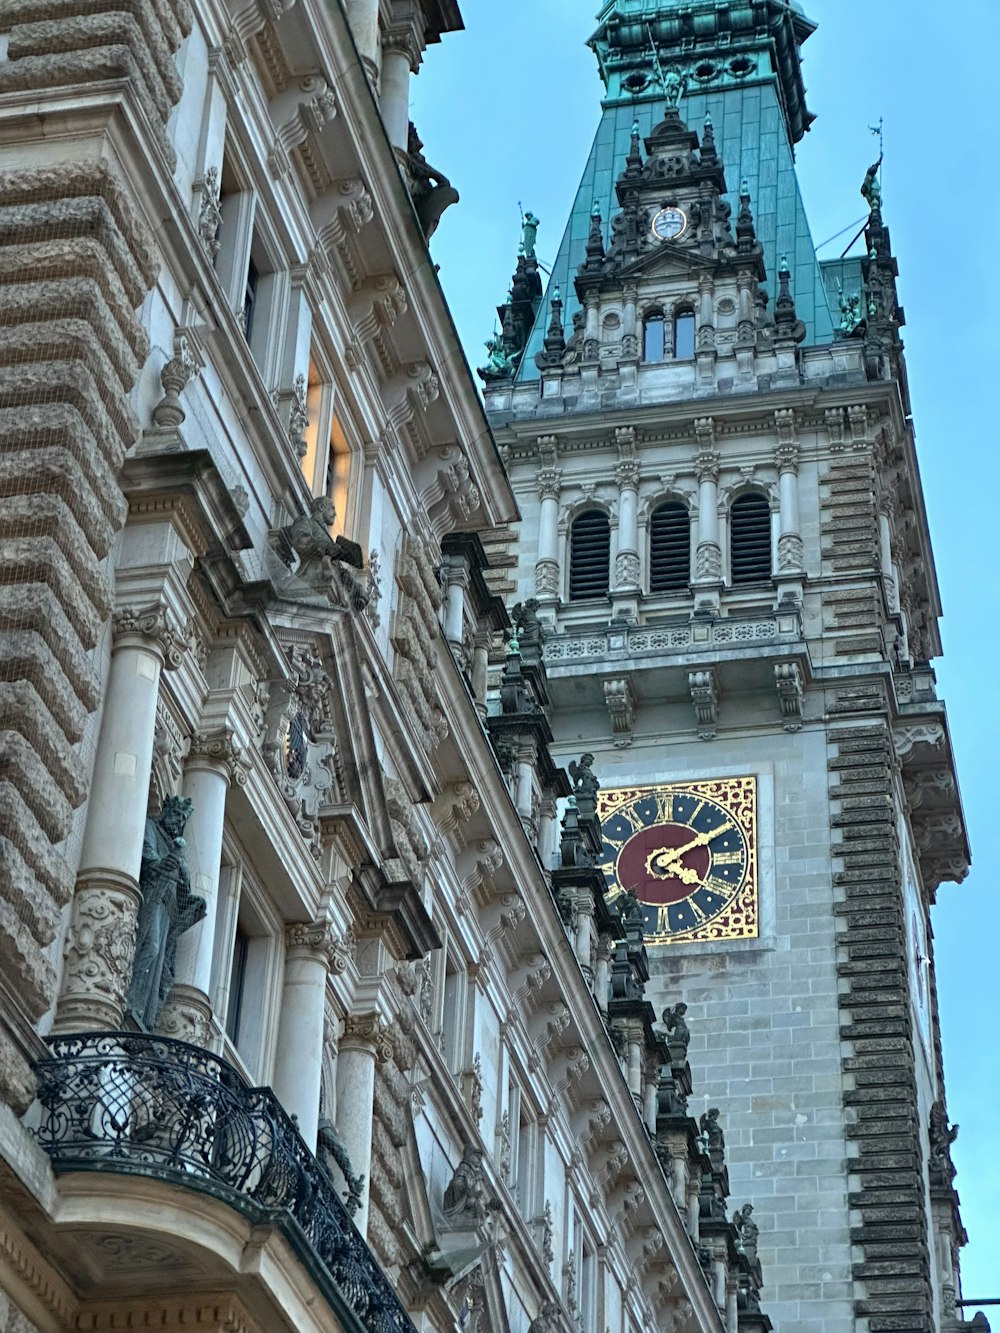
(665, 808)
(628, 813)
(663, 925)
(718, 886)
(727, 858)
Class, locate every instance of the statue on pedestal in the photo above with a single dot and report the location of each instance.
(465, 1197)
(168, 909)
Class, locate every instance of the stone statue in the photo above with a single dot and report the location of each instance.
(326, 562)
(631, 912)
(431, 190)
(548, 1319)
(529, 231)
(871, 190)
(582, 775)
(748, 1229)
(712, 1130)
(574, 345)
(168, 909)
(678, 1032)
(673, 88)
(942, 1136)
(530, 630)
(332, 1146)
(499, 362)
(464, 1199)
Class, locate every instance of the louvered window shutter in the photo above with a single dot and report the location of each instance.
(669, 548)
(589, 555)
(750, 539)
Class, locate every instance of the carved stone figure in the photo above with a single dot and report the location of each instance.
(500, 362)
(673, 88)
(583, 777)
(465, 1197)
(942, 1136)
(431, 189)
(548, 1319)
(328, 562)
(712, 1130)
(168, 909)
(331, 1146)
(678, 1032)
(530, 630)
(748, 1229)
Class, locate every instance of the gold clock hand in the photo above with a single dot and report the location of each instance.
(700, 841)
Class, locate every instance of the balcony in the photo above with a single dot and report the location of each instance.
(131, 1104)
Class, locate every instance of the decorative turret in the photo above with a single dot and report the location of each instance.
(517, 314)
(555, 338)
(788, 328)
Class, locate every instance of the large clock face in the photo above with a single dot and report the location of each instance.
(689, 850)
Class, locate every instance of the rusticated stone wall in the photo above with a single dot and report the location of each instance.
(893, 1275)
(76, 261)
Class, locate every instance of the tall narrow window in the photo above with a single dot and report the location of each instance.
(589, 555)
(653, 344)
(684, 335)
(237, 985)
(750, 539)
(249, 298)
(669, 548)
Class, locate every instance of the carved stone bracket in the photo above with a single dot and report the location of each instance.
(705, 697)
(620, 702)
(788, 682)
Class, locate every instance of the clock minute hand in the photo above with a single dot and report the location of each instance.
(700, 841)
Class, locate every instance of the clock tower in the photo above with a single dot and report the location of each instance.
(723, 530)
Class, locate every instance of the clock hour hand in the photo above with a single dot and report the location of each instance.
(673, 865)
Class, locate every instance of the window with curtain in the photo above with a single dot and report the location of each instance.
(589, 555)
(750, 539)
(669, 547)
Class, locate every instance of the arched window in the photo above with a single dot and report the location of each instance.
(750, 538)
(669, 547)
(589, 555)
(684, 335)
(653, 339)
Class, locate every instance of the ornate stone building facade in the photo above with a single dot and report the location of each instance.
(315, 1014)
(708, 433)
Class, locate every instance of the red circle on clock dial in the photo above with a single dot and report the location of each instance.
(640, 852)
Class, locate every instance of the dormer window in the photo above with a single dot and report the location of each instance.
(684, 335)
(653, 336)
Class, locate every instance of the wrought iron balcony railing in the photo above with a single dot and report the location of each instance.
(138, 1105)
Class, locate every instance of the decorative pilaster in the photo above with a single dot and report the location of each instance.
(627, 479)
(708, 556)
(215, 761)
(101, 940)
(549, 482)
(790, 551)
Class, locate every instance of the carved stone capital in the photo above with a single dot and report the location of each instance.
(310, 937)
(150, 627)
(627, 474)
(98, 954)
(786, 457)
(707, 465)
(549, 483)
(221, 750)
(367, 1032)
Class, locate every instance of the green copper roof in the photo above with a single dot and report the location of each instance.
(740, 62)
(753, 146)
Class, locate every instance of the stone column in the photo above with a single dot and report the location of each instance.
(602, 972)
(549, 482)
(399, 59)
(790, 554)
(627, 478)
(693, 1195)
(708, 556)
(480, 669)
(101, 938)
(214, 761)
(630, 323)
(363, 1039)
(591, 327)
(649, 1098)
(362, 16)
(299, 1064)
(525, 772)
(456, 580)
(890, 574)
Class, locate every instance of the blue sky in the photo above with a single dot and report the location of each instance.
(508, 111)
